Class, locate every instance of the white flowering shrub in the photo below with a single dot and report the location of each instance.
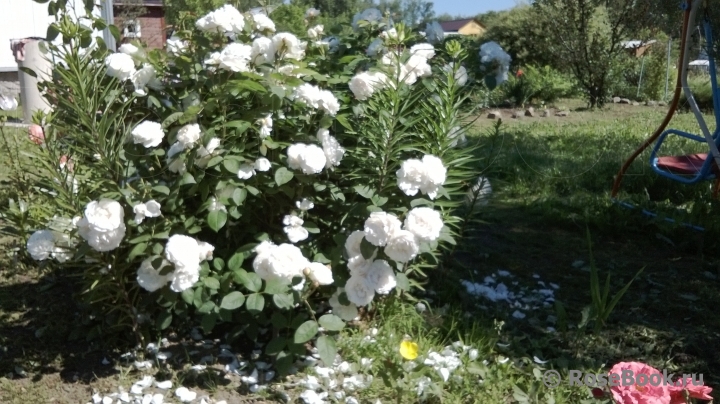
(251, 182)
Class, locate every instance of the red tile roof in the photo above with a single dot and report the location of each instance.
(455, 25)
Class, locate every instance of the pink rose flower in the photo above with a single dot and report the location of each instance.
(701, 392)
(65, 161)
(653, 390)
(36, 134)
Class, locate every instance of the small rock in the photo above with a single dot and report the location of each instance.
(545, 113)
(624, 101)
(662, 104)
(651, 103)
(517, 114)
(616, 100)
(562, 113)
(494, 115)
(530, 111)
(635, 103)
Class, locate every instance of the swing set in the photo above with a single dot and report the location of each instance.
(690, 168)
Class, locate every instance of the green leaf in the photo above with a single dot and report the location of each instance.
(52, 32)
(137, 251)
(275, 345)
(212, 283)
(490, 82)
(367, 249)
(233, 300)
(326, 349)
(276, 285)
(161, 189)
(187, 179)
(140, 239)
(208, 322)
(188, 295)
(331, 322)
(218, 264)
(364, 191)
(250, 280)
(239, 195)
(171, 119)
(284, 301)
(206, 307)
(283, 176)
(403, 283)
(232, 165)
(342, 119)
(311, 227)
(216, 219)
(248, 85)
(164, 320)
(305, 332)
(28, 71)
(255, 303)
(236, 261)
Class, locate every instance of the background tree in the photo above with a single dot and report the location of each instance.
(588, 37)
(410, 12)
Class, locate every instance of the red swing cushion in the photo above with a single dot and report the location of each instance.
(690, 164)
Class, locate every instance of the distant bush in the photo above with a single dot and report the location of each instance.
(533, 84)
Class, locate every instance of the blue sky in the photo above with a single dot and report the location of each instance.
(470, 7)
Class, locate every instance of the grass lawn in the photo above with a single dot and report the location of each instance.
(551, 180)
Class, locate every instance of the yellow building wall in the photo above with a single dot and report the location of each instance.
(472, 28)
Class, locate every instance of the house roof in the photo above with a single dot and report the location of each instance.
(455, 25)
(147, 3)
(637, 44)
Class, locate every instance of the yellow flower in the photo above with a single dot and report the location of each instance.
(408, 350)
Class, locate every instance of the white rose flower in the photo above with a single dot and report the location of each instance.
(216, 205)
(402, 246)
(150, 208)
(308, 158)
(328, 102)
(41, 244)
(262, 164)
(364, 84)
(411, 176)
(305, 204)
(288, 46)
(183, 251)
(235, 57)
(380, 227)
(148, 134)
(418, 65)
(226, 19)
(205, 153)
(263, 51)
(284, 261)
(312, 12)
(246, 171)
(175, 45)
(425, 223)
(352, 244)
(359, 291)
(360, 266)
(143, 78)
(120, 66)
(381, 277)
(213, 59)
(320, 273)
(434, 32)
(425, 50)
(315, 32)
(138, 54)
(435, 175)
(177, 166)
(332, 149)
(183, 278)
(263, 23)
(8, 103)
(389, 34)
(293, 228)
(308, 94)
(188, 135)
(149, 278)
(206, 250)
(266, 125)
(347, 313)
(103, 225)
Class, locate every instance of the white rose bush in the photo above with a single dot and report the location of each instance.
(250, 180)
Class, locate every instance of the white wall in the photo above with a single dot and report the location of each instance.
(20, 19)
(26, 18)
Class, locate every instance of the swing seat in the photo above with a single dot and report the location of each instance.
(690, 164)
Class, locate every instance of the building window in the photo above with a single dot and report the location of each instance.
(132, 29)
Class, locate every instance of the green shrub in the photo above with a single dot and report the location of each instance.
(537, 85)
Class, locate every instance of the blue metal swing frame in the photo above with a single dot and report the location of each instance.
(706, 170)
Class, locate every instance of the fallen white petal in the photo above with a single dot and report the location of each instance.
(185, 395)
(167, 384)
(540, 361)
